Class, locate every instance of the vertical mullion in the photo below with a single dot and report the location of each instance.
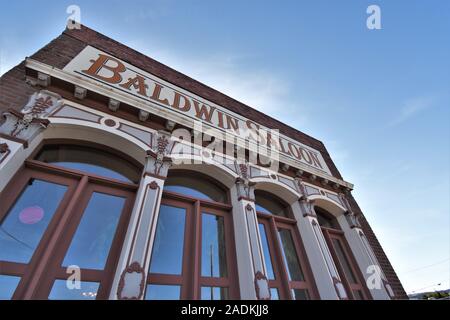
(197, 251)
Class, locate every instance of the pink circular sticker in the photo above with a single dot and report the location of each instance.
(31, 215)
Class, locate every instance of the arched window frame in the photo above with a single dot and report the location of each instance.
(272, 224)
(340, 249)
(59, 233)
(191, 280)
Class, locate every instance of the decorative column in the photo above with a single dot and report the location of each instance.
(324, 270)
(253, 282)
(131, 274)
(376, 280)
(20, 128)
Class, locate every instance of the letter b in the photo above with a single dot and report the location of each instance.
(101, 63)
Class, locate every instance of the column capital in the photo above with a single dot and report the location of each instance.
(25, 124)
(350, 216)
(158, 157)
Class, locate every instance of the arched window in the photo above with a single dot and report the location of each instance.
(193, 254)
(343, 258)
(287, 268)
(68, 206)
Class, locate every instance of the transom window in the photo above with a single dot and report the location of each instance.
(193, 253)
(92, 160)
(287, 268)
(63, 209)
(195, 185)
(270, 204)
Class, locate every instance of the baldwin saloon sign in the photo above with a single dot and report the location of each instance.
(101, 67)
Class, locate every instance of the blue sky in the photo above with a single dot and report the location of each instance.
(378, 99)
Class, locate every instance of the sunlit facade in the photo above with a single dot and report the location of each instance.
(110, 190)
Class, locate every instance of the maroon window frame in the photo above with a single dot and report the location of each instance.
(191, 280)
(44, 267)
(272, 224)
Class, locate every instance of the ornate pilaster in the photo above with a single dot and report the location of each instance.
(24, 125)
(364, 254)
(135, 257)
(251, 266)
(325, 272)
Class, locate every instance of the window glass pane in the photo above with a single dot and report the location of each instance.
(91, 160)
(290, 255)
(92, 241)
(267, 203)
(167, 256)
(357, 295)
(8, 285)
(195, 186)
(267, 257)
(300, 294)
(274, 294)
(162, 292)
(66, 290)
(214, 263)
(214, 293)
(326, 219)
(23, 227)
(343, 260)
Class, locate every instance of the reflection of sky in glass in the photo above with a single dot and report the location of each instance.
(188, 191)
(290, 255)
(92, 241)
(60, 291)
(162, 292)
(214, 293)
(262, 209)
(300, 294)
(91, 168)
(344, 261)
(8, 285)
(213, 246)
(18, 240)
(167, 255)
(274, 294)
(267, 258)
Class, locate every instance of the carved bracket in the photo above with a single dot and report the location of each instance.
(132, 283)
(26, 124)
(262, 286)
(158, 159)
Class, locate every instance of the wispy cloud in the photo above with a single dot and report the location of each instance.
(412, 107)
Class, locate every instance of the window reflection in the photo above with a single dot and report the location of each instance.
(274, 294)
(213, 246)
(8, 285)
(167, 256)
(91, 160)
(65, 290)
(22, 229)
(290, 255)
(162, 292)
(344, 261)
(92, 241)
(214, 293)
(267, 203)
(267, 257)
(195, 185)
(300, 294)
